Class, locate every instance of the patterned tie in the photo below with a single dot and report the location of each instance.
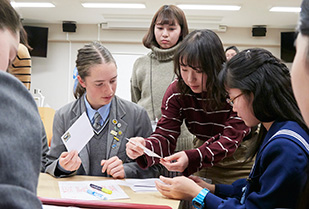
(97, 121)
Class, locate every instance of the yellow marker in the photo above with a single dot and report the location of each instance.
(107, 191)
(116, 138)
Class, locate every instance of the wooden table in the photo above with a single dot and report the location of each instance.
(48, 188)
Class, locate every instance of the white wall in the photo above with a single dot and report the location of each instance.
(54, 74)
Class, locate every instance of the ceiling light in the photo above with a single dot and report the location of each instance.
(285, 9)
(209, 7)
(32, 4)
(114, 5)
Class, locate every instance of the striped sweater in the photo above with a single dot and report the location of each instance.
(221, 130)
(21, 67)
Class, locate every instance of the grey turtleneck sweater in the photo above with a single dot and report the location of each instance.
(151, 76)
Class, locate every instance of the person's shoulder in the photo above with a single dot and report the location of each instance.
(11, 86)
(128, 105)
(67, 108)
(23, 51)
(173, 87)
(290, 135)
(142, 60)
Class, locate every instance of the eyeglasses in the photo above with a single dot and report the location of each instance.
(231, 101)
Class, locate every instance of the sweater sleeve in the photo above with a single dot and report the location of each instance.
(135, 90)
(218, 147)
(163, 140)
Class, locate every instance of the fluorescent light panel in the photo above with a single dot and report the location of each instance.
(32, 4)
(114, 5)
(285, 9)
(209, 7)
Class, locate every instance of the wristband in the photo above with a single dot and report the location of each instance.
(198, 201)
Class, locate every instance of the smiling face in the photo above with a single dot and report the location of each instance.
(100, 85)
(167, 35)
(243, 106)
(194, 78)
(9, 45)
(300, 75)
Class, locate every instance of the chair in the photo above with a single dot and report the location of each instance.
(47, 116)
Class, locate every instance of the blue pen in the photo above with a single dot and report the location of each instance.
(96, 194)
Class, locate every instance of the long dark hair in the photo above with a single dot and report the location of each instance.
(167, 14)
(258, 72)
(91, 54)
(202, 49)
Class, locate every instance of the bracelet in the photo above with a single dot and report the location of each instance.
(198, 201)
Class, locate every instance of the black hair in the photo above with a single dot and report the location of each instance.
(303, 25)
(202, 49)
(232, 47)
(258, 72)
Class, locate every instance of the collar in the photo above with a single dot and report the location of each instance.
(163, 54)
(104, 110)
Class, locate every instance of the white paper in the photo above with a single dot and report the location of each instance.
(143, 185)
(146, 150)
(78, 190)
(78, 135)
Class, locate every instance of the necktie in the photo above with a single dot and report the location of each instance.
(97, 121)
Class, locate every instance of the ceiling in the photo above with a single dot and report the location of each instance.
(252, 12)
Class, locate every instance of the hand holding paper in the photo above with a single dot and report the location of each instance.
(78, 135)
(146, 150)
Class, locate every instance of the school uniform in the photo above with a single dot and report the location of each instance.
(125, 120)
(278, 177)
(20, 145)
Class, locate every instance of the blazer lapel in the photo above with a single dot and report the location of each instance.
(116, 129)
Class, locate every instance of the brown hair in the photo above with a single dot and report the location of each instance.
(9, 18)
(91, 54)
(167, 14)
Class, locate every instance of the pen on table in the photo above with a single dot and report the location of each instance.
(107, 191)
(98, 195)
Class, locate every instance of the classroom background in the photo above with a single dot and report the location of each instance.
(53, 75)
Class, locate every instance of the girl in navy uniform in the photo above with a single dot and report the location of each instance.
(259, 89)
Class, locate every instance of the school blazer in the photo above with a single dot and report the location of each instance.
(134, 122)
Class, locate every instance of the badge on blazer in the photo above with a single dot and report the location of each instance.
(114, 133)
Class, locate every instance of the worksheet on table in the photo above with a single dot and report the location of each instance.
(80, 190)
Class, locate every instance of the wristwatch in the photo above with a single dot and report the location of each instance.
(198, 201)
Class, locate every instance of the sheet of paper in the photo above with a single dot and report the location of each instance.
(78, 190)
(143, 185)
(78, 135)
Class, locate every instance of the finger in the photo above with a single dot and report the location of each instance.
(65, 158)
(160, 187)
(114, 163)
(105, 164)
(117, 172)
(166, 180)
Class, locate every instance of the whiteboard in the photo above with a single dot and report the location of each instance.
(125, 64)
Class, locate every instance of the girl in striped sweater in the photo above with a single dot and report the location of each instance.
(195, 98)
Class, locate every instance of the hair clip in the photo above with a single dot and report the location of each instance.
(248, 54)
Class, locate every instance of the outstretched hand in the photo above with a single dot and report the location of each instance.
(180, 188)
(176, 162)
(133, 151)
